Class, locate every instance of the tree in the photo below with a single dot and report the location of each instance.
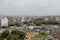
(25, 22)
(20, 34)
(38, 21)
(15, 32)
(40, 36)
(18, 24)
(12, 37)
(52, 22)
(50, 39)
(1, 38)
(5, 34)
(11, 23)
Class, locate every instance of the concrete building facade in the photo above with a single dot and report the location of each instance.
(4, 21)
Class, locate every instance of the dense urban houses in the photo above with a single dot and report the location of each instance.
(57, 18)
(53, 31)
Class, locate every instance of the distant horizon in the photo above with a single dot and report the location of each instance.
(29, 15)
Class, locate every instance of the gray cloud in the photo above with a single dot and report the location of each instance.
(30, 7)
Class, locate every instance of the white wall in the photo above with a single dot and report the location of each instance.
(4, 22)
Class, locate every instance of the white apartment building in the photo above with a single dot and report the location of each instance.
(4, 21)
(22, 19)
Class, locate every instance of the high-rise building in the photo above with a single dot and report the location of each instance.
(4, 21)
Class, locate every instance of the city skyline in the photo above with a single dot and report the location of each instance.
(30, 7)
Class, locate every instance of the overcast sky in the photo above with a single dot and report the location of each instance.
(30, 7)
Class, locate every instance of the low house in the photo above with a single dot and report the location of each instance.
(33, 27)
(53, 30)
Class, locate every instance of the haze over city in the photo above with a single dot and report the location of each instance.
(30, 7)
(29, 19)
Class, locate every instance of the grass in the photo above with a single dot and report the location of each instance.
(40, 36)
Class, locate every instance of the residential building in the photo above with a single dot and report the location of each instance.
(53, 31)
(57, 18)
(4, 21)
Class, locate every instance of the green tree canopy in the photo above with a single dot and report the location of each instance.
(38, 21)
(20, 34)
(5, 34)
(14, 35)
